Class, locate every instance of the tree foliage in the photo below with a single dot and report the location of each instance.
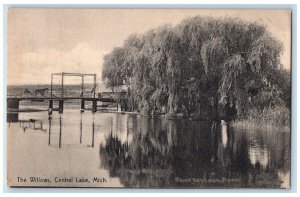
(200, 66)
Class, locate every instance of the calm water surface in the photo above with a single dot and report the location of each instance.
(132, 151)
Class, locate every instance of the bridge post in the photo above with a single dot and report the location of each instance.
(94, 86)
(51, 89)
(62, 85)
(82, 105)
(61, 106)
(82, 82)
(12, 104)
(50, 109)
(94, 105)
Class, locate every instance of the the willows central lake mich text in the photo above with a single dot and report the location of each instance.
(61, 180)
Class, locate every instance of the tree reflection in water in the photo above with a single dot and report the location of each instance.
(181, 153)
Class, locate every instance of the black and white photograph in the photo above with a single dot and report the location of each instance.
(148, 98)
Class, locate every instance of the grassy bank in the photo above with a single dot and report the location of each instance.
(246, 124)
(277, 118)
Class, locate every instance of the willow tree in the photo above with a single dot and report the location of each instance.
(214, 53)
(113, 68)
(199, 66)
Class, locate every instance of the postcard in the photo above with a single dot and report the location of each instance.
(149, 98)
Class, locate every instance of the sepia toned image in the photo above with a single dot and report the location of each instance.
(148, 98)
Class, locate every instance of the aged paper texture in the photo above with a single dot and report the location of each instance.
(148, 98)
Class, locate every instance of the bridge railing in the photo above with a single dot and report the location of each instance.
(56, 93)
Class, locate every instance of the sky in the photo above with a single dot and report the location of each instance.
(45, 41)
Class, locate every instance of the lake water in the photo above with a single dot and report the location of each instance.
(128, 150)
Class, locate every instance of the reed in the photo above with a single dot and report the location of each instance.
(276, 118)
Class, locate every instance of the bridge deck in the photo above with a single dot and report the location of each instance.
(60, 98)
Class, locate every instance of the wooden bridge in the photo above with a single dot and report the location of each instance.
(13, 101)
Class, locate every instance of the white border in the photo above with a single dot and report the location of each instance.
(164, 3)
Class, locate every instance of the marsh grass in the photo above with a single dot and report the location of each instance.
(276, 118)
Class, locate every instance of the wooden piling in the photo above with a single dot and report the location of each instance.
(61, 106)
(62, 85)
(82, 104)
(12, 104)
(51, 88)
(94, 93)
(82, 82)
(50, 104)
(94, 105)
(50, 109)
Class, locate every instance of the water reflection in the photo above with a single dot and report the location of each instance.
(93, 134)
(181, 153)
(32, 124)
(49, 123)
(80, 128)
(59, 144)
(159, 153)
(52, 134)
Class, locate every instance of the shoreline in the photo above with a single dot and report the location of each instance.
(246, 124)
(242, 124)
